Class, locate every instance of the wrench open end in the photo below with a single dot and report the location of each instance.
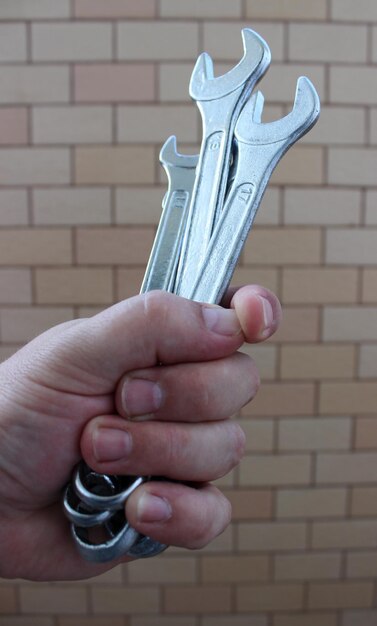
(255, 61)
(169, 155)
(303, 116)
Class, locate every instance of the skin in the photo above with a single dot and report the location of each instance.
(145, 387)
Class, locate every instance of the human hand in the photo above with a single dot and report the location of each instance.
(145, 387)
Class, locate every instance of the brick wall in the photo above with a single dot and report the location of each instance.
(89, 90)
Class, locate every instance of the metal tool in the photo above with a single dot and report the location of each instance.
(220, 101)
(260, 147)
(163, 261)
(197, 246)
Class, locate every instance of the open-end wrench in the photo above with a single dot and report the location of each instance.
(220, 101)
(260, 147)
(163, 260)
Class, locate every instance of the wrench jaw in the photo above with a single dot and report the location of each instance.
(169, 155)
(298, 122)
(255, 61)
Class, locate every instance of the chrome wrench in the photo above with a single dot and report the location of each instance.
(220, 101)
(163, 261)
(260, 148)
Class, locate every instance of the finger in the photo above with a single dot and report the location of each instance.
(258, 310)
(179, 515)
(189, 392)
(199, 452)
(143, 331)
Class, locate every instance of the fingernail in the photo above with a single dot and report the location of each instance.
(152, 508)
(222, 321)
(110, 444)
(141, 397)
(268, 316)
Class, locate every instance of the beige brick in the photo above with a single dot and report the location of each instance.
(351, 397)
(271, 536)
(234, 569)
(366, 433)
(20, 325)
(138, 205)
(259, 434)
(114, 165)
(250, 503)
(279, 85)
(35, 9)
(90, 621)
(223, 39)
(74, 285)
(363, 81)
(282, 399)
(271, 246)
(355, 618)
(283, 469)
(166, 40)
(340, 595)
(71, 125)
(201, 8)
(313, 503)
(53, 599)
(152, 124)
(307, 566)
(339, 125)
(8, 600)
(349, 323)
(71, 206)
(361, 565)
(369, 285)
(114, 8)
(368, 361)
(120, 82)
(287, 10)
(110, 246)
(364, 11)
(208, 599)
(371, 202)
(270, 597)
(319, 433)
(13, 207)
(173, 81)
(302, 165)
(35, 247)
(71, 42)
(26, 621)
(267, 277)
(162, 620)
(353, 166)
(15, 286)
(351, 246)
(125, 600)
(128, 282)
(163, 571)
(364, 502)
(23, 84)
(352, 468)
(374, 44)
(305, 619)
(319, 285)
(13, 125)
(233, 620)
(265, 357)
(34, 166)
(298, 324)
(319, 362)
(322, 206)
(340, 43)
(12, 43)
